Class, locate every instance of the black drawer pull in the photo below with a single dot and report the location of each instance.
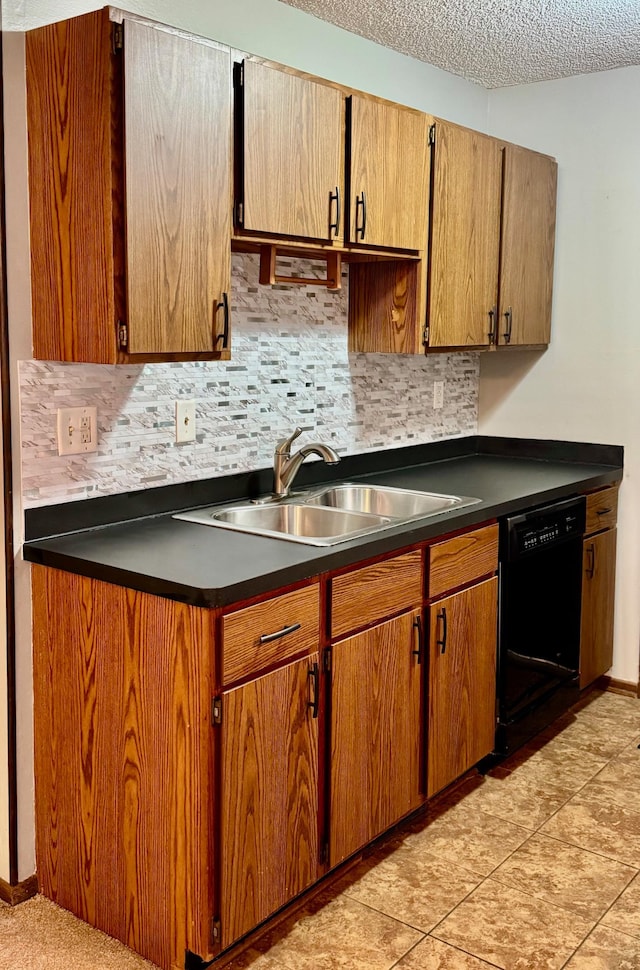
(224, 336)
(508, 315)
(591, 567)
(442, 642)
(334, 226)
(314, 703)
(603, 511)
(285, 631)
(492, 326)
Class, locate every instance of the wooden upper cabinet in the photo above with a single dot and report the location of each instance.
(292, 154)
(465, 237)
(526, 258)
(388, 175)
(129, 163)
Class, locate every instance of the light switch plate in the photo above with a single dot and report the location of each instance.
(438, 395)
(185, 421)
(77, 430)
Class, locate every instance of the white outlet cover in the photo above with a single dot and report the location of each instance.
(77, 430)
(438, 395)
(185, 421)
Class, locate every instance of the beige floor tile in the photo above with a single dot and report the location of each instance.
(601, 827)
(618, 783)
(344, 934)
(631, 752)
(255, 960)
(575, 880)
(608, 704)
(512, 930)
(468, 838)
(433, 955)
(413, 886)
(526, 800)
(606, 949)
(554, 761)
(624, 915)
(599, 736)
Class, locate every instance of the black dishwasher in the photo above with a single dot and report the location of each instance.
(539, 634)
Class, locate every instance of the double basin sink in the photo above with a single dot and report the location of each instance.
(328, 515)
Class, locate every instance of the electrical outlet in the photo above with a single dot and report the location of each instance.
(185, 421)
(438, 395)
(77, 430)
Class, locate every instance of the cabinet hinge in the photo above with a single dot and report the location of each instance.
(425, 336)
(238, 74)
(326, 660)
(216, 711)
(123, 335)
(432, 134)
(324, 852)
(117, 37)
(239, 213)
(216, 931)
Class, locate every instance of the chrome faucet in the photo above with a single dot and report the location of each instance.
(286, 465)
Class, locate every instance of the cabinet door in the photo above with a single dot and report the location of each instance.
(389, 175)
(462, 682)
(269, 792)
(177, 109)
(293, 154)
(376, 690)
(465, 237)
(598, 589)
(528, 235)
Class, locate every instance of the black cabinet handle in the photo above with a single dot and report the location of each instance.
(334, 226)
(508, 315)
(603, 511)
(417, 625)
(361, 204)
(492, 326)
(224, 336)
(314, 676)
(442, 642)
(285, 631)
(591, 566)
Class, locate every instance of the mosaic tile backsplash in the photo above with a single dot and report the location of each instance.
(290, 366)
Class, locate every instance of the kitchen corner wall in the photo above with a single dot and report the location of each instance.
(289, 366)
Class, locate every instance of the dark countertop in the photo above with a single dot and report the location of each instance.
(212, 567)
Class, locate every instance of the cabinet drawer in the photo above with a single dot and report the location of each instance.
(602, 509)
(374, 592)
(463, 559)
(258, 636)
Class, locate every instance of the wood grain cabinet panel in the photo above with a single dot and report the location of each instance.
(598, 602)
(374, 592)
(270, 632)
(462, 682)
(293, 154)
(461, 560)
(602, 510)
(123, 772)
(129, 171)
(388, 175)
(376, 691)
(465, 237)
(269, 795)
(527, 247)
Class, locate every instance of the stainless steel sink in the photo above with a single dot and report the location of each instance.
(397, 503)
(297, 522)
(326, 516)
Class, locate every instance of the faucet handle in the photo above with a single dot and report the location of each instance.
(283, 447)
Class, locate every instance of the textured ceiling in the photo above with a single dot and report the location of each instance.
(496, 42)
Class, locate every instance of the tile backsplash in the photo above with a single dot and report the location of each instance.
(289, 366)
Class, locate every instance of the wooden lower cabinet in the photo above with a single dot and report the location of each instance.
(462, 682)
(598, 589)
(376, 704)
(269, 795)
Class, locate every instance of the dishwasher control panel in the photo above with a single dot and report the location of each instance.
(543, 528)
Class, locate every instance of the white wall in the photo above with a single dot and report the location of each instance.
(586, 386)
(263, 27)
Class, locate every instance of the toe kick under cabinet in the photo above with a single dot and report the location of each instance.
(197, 769)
